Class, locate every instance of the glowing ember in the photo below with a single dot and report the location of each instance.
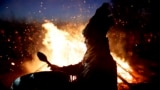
(12, 63)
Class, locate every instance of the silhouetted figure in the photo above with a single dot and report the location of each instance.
(101, 70)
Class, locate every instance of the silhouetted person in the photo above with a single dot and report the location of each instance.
(101, 70)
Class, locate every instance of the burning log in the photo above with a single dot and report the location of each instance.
(124, 81)
(127, 71)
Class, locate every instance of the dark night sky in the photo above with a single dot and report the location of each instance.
(49, 9)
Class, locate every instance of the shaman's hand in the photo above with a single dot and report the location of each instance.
(55, 67)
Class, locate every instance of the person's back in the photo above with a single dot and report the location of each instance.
(100, 70)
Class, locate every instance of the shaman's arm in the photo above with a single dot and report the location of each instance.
(70, 69)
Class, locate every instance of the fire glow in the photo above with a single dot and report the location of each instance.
(62, 49)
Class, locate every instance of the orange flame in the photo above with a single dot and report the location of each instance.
(63, 48)
(123, 68)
